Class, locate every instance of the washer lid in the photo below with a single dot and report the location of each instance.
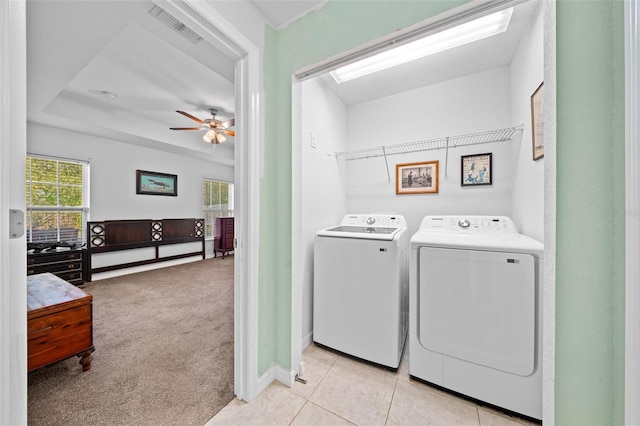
(362, 232)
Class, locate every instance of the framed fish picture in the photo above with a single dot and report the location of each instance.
(154, 183)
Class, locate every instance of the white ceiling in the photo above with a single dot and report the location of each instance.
(279, 13)
(76, 51)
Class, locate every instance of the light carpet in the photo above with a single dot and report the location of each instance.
(164, 352)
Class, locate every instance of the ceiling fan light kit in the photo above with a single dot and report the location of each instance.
(216, 129)
(213, 137)
(468, 32)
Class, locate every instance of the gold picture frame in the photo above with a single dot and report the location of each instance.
(537, 122)
(417, 178)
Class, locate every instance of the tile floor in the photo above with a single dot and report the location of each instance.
(341, 390)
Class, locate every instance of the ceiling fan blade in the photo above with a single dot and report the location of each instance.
(185, 128)
(228, 132)
(229, 123)
(191, 117)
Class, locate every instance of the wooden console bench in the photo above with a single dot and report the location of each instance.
(59, 322)
(122, 235)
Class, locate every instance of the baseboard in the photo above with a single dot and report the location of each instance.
(266, 379)
(307, 341)
(276, 372)
(286, 377)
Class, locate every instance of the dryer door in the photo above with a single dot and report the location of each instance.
(479, 306)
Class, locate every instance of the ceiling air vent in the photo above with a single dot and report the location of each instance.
(167, 19)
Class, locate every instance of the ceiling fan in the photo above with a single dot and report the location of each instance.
(216, 129)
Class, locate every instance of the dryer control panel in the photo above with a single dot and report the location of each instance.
(469, 223)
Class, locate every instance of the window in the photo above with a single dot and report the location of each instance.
(57, 199)
(217, 201)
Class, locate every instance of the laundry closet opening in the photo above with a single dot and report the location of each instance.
(349, 138)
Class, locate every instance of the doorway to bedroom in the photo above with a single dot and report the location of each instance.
(111, 102)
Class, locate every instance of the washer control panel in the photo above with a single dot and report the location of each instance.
(375, 220)
(469, 224)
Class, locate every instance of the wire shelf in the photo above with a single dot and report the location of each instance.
(499, 135)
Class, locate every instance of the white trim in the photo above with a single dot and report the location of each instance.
(284, 376)
(13, 253)
(247, 182)
(632, 216)
(266, 379)
(549, 274)
(278, 373)
(297, 246)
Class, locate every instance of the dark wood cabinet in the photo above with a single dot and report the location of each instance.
(68, 264)
(223, 237)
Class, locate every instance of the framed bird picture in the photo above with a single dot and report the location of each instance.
(153, 183)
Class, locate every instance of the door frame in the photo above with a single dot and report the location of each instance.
(632, 212)
(220, 32)
(13, 253)
(13, 344)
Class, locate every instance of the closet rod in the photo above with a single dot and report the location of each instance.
(498, 135)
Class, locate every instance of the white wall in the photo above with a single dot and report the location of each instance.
(470, 104)
(527, 72)
(112, 178)
(323, 181)
(113, 174)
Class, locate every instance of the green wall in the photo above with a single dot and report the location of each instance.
(590, 213)
(590, 186)
(340, 25)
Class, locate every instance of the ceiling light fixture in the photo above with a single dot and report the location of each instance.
(104, 94)
(214, 137)
(471, 31)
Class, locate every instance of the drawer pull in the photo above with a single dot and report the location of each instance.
(36, 333)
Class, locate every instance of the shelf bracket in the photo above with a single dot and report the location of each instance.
(384, 152)
(446, 159)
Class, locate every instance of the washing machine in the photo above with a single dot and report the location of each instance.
(475, 310)
(360, 287)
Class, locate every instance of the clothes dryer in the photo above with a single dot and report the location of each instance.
(360, 287)
(475, 317)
